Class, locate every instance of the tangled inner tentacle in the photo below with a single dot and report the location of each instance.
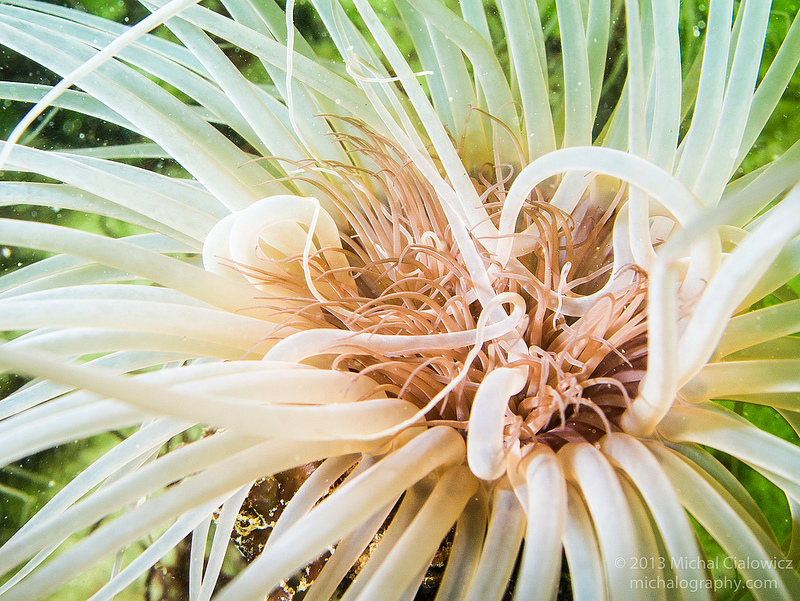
(397, 271)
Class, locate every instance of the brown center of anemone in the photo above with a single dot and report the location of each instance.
(406, 277)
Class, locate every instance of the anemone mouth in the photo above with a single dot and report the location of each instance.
(396, 271)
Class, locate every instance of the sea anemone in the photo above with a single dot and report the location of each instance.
(469, 304)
